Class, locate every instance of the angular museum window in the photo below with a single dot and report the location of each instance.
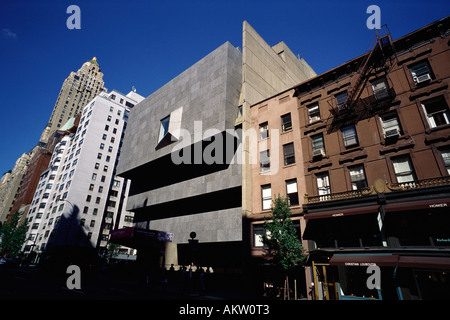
(421, 72)
(163, 128)
(263, 131)
(357, 177)
(313, 112)
(404, 171)
(291, 191)
(286, 123)
(437, 112)
(264, 160)
(266, 195)
(288, 152)
(349, 135)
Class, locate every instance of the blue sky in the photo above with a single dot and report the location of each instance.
(147, 43)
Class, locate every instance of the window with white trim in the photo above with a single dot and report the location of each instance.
(266, 197)
(446, 157)
(390, 125)
(313, 112)
(421, 72)
(323, 183)
(357, 177)
(436, 111)
(404, 171)
(292, 192)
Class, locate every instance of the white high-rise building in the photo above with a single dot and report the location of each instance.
(79, 199)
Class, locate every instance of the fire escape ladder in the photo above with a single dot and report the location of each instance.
(384, 49)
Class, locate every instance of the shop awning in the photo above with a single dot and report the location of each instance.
(342, 212)
(364, 260)
(425, 262)
(137, 237)
(390, 260)
(417, 205)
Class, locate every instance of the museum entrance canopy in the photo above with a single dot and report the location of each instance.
(140, 238)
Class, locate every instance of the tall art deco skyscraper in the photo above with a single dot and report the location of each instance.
(77, 90)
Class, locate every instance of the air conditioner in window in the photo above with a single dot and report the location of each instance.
(319, 153)
(391, 133)
(423, 78)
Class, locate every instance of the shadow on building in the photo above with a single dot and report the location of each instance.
(69, 244)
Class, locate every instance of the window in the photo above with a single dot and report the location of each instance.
(340, 100)
(313, 112)
(85, 209)
(437, 112)
(263, 131)
(357, 177)
(390, 125)
(99, 155)
(92, 223)
(403, 169)
(380, 88)
(286, 123)
(97, 165)
(266, 195)
(318, 145)
(323, 183)
(102, 146)
(88, 198)
(106, 127)
(164, 128)
(104, 136)
(349, 136)
(94, 176)
(264, 160)
(291, 192)
(446, 157)
(421, 72)
(105, 168)
(258, 233)
(289, 154)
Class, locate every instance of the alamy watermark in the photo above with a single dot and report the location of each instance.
(74, 20)
(374, 280)
(74, 280)
(374, 20)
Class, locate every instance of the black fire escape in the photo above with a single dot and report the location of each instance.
(376, 63)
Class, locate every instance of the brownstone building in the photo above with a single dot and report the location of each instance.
(372, 160)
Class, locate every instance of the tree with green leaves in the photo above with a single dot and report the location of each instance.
(113, 251)
(13, 234)
(283, 246)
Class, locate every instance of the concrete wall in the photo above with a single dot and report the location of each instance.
(202, 98)
(207, 92)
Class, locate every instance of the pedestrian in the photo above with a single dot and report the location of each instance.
(202, 281)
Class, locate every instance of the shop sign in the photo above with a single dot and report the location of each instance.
(359, 264)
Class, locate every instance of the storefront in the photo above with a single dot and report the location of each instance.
(406, 242)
